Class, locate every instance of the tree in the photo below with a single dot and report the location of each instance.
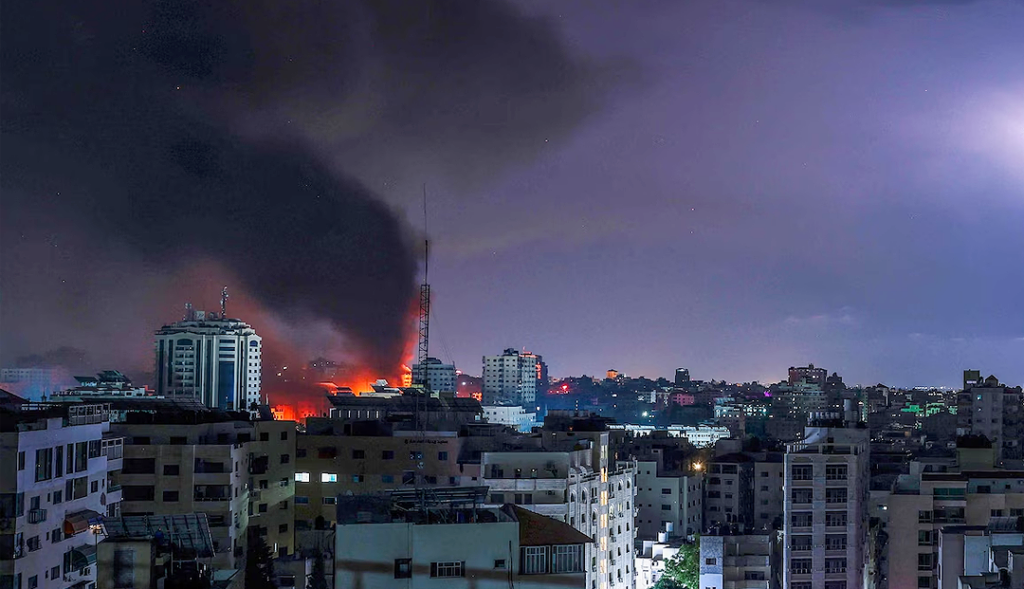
(317, 579)
(259, 565)
(666, 583)
(684, 567)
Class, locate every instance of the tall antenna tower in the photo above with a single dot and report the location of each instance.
(424, 322)
(224, 303)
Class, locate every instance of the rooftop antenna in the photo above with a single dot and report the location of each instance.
(424, 320)
(224, 303)
(424, 326)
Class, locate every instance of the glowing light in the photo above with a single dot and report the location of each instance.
(698, 466)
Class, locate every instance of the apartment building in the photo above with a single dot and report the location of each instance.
(211, 462)
(568, 476)
(744, 489)
(925, 504)
(732, 560)
(993, 410)
(443, 539)
(514, 377)
(55, 487)
(825, 522)
(370, 458)
(669, 501)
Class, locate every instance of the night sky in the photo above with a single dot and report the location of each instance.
(731, 186)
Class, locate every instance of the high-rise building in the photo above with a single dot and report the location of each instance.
(809, 374)
(211, 358)
(826, 516)
(993, 410)
(55, 464)
(682, 376)
(514, 378)
(440, 376)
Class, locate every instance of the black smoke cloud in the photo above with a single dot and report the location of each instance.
(146, 142)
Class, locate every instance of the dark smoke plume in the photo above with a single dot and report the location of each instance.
(146, 145)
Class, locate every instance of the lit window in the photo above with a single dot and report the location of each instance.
(327, 477)
(302, 477)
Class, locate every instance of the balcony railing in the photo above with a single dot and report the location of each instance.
(36, 516)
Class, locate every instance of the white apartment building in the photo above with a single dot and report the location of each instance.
(668, 502)
(213, 359)
(440, 376)
(55, 461)
(514, 416)
(738, 560)
(826, 515)
(454, 545)
(701, 436)
(574, 483)
(513, 377)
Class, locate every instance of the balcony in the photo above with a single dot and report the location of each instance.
(36, 516)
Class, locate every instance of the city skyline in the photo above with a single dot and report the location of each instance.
(733, 187)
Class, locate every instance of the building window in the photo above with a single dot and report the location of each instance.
(835, 472)
(44, 464)
(171, 470)
(387, 478)
(402, 568)
(835, 542)
(802, 495)
(567, 558)
(328, 477)
(388, 455)
(358, 478)
(21, 460)
(534, 560)
(300, 500)
(448, 569)
(285, 459)
(835, 519)
(302, 477)
(284, 436)
(710, 561)
(802, 472)
(442, 456)
(924, 561)
(924, 582)
(800, 566)
(800, 543)
(924, 517)
(500, 564)
(835, 565)
(328, 500)
(170, 496)
(924, 538)
(835, 495)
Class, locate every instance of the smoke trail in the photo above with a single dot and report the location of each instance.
(143, 140)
